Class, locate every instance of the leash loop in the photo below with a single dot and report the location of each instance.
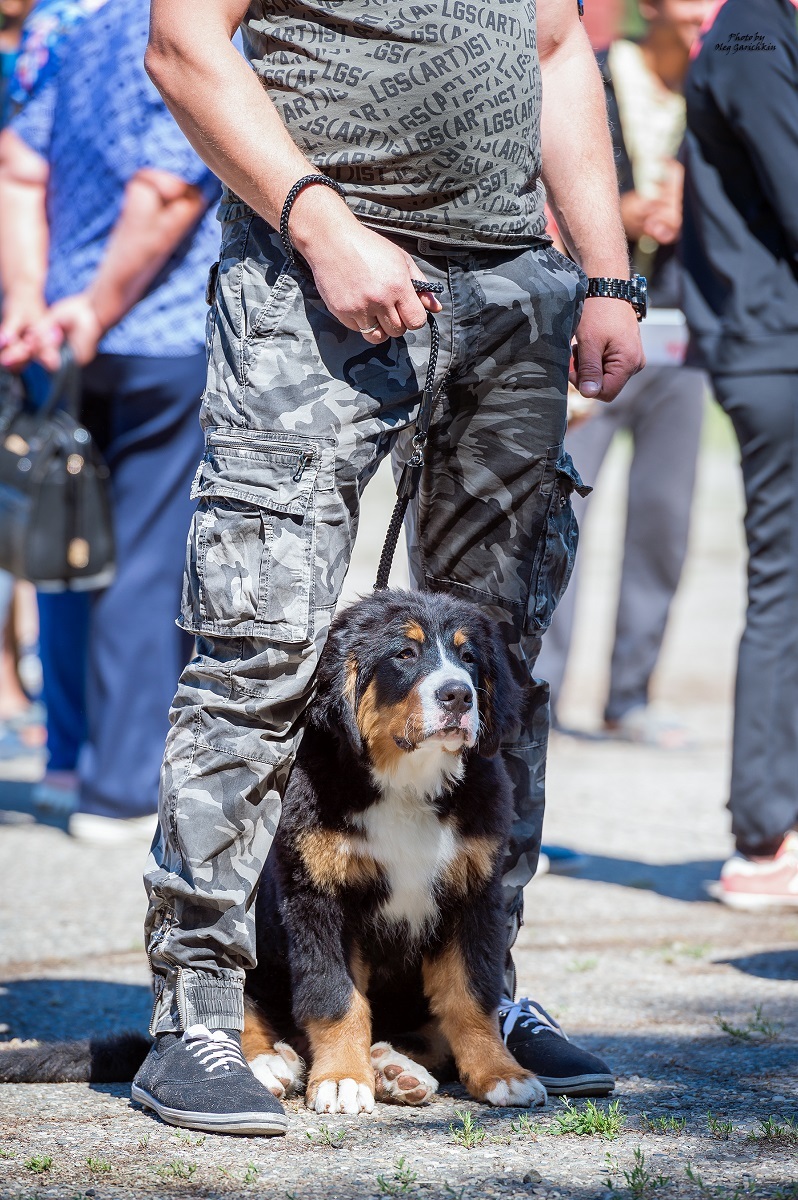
(411, 472)
(413, 467)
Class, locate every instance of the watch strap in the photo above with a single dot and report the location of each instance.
(632, 290)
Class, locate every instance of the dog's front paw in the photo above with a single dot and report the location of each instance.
(282, 1072)
(399, 1080)
(523, 1091)
(339, 1096)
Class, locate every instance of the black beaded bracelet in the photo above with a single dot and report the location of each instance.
(304, 182)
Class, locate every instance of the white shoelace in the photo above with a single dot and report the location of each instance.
(215, 1049)
(527, 1014)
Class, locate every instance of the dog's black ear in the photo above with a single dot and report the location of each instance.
(336, 691)
(501, 698)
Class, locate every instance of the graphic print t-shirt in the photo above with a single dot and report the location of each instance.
(428, 114)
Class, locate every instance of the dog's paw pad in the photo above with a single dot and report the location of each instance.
(527, 1092)
(282, 1072)
(342, 1096)
(399, 1080)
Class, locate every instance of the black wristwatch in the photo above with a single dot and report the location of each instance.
(634, 290)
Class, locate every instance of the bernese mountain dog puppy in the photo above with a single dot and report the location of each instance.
(380, 922)
(379, 916)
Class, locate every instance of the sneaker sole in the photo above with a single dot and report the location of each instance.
(579, 1085)
(252, 1123)
(748, 901)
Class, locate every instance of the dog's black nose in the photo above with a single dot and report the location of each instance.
(456, 697)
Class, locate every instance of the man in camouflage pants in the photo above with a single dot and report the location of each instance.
(315, 375)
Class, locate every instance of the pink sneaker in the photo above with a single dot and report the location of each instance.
(754, 885)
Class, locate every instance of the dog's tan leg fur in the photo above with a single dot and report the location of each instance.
(484, 1064)
(341, 1051)
(258, 1036)
(276, 1064)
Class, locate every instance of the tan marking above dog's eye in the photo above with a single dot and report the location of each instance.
(414, 632)
(460, 638)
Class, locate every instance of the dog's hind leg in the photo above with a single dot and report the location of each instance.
(276, 1064)
(399, 1080)
(429, 1048)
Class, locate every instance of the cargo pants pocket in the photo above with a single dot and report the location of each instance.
(556, 552)
(250, 554)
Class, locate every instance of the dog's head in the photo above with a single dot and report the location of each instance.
(403, 670)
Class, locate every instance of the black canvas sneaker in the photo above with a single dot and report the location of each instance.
(537, 1042)
(201, 1080)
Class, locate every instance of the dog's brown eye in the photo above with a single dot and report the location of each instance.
(408, 652)
(467, 657)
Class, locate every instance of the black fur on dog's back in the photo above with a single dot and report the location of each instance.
(113, 1059)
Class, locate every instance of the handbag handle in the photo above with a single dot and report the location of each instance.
(64, 386)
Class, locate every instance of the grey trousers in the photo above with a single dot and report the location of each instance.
(764, 777)
(663, 409)
(298, 413)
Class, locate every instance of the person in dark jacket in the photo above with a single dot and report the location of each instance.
(740, 251)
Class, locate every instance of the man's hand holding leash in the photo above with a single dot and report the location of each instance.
(362, 277)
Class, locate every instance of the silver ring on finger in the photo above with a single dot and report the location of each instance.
(371, 328)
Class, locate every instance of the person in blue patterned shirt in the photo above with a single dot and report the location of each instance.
(106, 236)
(44, 35)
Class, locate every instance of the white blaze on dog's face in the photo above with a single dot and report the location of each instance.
(449, 700)
(421, 698)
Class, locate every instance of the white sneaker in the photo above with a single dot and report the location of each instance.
(753, 886)
(109, 831)
(645, 726)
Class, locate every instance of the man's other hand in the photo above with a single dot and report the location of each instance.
(608, 349)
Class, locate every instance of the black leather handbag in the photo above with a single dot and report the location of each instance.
(55, 513)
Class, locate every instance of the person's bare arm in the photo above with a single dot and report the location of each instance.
(230, 120)
(23, 245)
(579, 174)
(158, 211)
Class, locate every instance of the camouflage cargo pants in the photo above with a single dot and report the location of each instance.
(298, 413)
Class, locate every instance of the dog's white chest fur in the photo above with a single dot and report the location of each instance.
(414, 848)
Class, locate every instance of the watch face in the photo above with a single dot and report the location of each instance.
(640, 289)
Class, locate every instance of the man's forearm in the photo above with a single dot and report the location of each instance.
(364, 279)
(578, 167)
(227, 115)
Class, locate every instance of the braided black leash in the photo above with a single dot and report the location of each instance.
(411, 472)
